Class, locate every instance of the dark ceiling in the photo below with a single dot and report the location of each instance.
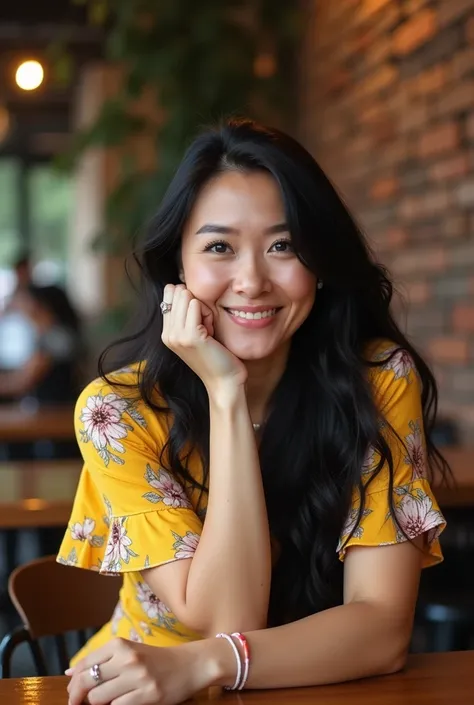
(29, 29)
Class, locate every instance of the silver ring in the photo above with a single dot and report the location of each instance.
(95, 673)
(165, 308)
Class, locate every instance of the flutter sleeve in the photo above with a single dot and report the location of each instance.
(129, 512)
(414, 511)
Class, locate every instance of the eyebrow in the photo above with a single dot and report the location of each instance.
(226, 230)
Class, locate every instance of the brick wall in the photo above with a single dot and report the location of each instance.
(388, 109)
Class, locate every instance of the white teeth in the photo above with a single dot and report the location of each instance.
(253, 316)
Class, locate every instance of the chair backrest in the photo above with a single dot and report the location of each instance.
(53, 599)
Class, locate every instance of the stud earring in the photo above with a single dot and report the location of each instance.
(320, 284)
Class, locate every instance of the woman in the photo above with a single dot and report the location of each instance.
(275, 396)
(49, 374)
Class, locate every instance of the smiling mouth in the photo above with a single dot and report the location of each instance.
(257, 316)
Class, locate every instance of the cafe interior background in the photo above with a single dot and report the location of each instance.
(96, 105)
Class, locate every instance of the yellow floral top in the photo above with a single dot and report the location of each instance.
(130, 514)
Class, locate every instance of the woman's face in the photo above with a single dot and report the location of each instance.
(237, 258)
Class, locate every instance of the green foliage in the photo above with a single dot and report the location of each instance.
(199, 61)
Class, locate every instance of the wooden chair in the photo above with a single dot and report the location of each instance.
(53, 599)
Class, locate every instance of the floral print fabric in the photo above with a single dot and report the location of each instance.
(131, 514)
(414, 511)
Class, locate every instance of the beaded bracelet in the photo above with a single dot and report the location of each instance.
(237, 658)
(246, 649)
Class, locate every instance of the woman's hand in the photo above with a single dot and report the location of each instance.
(188, 331)
(138, 674)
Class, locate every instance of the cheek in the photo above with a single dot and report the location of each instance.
(206, 282)
(299, 285)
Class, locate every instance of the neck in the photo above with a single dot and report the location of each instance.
(263, 377)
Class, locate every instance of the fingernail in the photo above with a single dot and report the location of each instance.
(69, 671)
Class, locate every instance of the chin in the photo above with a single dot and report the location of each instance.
(250, 352)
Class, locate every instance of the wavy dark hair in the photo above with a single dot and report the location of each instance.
(322, 416)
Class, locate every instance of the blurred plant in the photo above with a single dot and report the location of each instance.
(196, 62)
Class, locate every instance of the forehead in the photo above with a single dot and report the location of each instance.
(238, 196)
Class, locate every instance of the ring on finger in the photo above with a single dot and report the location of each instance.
(95, 674)
(165, 307)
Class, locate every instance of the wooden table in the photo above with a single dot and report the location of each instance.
(37, 493)
(17, 424)
(430, 679)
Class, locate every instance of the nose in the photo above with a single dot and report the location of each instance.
(251, 278)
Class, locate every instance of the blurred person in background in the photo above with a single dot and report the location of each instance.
(48, 374)
(17, 333)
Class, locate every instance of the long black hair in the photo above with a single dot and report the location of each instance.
(322, 415)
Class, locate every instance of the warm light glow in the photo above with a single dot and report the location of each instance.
(29, 75)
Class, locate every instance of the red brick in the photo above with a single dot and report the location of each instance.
(412, 6)
(452, 168)
(455, 225)
(449, 349)
(414, 32)
(384, 188)
(419, 261)
(395, 237)
(414, 118)
(470, 30)
(464, 194)
(370, 7)
(470, 127)
(457, 99)
(418, 292)
(432, 80)
(452, 10)
(461, 255)
(463, 317)
(379, 80)
(439, 139)
(462, 63)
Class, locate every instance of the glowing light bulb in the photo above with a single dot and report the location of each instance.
(29, 75)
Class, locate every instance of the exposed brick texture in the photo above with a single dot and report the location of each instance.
(388, 109)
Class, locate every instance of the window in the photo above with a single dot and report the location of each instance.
(35, 207)
(10, 237)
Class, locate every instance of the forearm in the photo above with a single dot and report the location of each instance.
(229, 578)
(353, 641)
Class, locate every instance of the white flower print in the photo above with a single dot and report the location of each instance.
(135, 636)
(85, 532)
(185, 546)
(415, 514)
(82, 532)
(151, 605)
(103, 425)
(369, 460)
(71, 558)
(173, 494)
(349, 526)
(117, 550)
(146, 629)
(400, 362)
(416, 450)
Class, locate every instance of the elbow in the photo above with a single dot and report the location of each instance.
(394, 657)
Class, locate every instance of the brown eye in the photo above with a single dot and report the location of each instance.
(282, 246)
(218, 248)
